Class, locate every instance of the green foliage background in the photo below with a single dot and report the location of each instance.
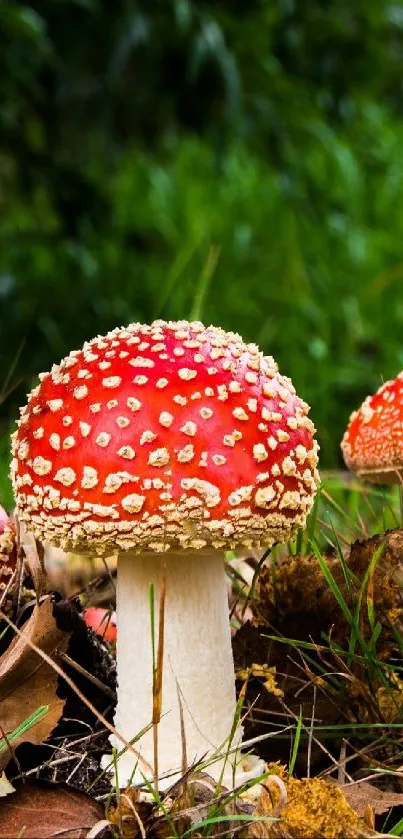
(237, 162)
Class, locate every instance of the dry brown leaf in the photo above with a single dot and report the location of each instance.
(27, 682)
(45, 811)
(359, 796)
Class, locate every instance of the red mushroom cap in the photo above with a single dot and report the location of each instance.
(8, 554)
(372, 445)
(102, 622)
(164, 436)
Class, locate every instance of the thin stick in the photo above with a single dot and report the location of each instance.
(83, 672)
(310, 738)
(10, 749)
(341, 774)
(109, 572)
(130, 805)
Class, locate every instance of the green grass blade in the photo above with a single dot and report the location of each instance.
(397, 830)
(296, 742)
(33, 719)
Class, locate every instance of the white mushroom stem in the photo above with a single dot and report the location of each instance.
(197, 662)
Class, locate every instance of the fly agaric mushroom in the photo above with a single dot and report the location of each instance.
(167, 444)
(8, 559)
(372, 445)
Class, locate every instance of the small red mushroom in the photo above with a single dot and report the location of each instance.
(167, 444)
(372, 445)
(102, 621)
(8, 558)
